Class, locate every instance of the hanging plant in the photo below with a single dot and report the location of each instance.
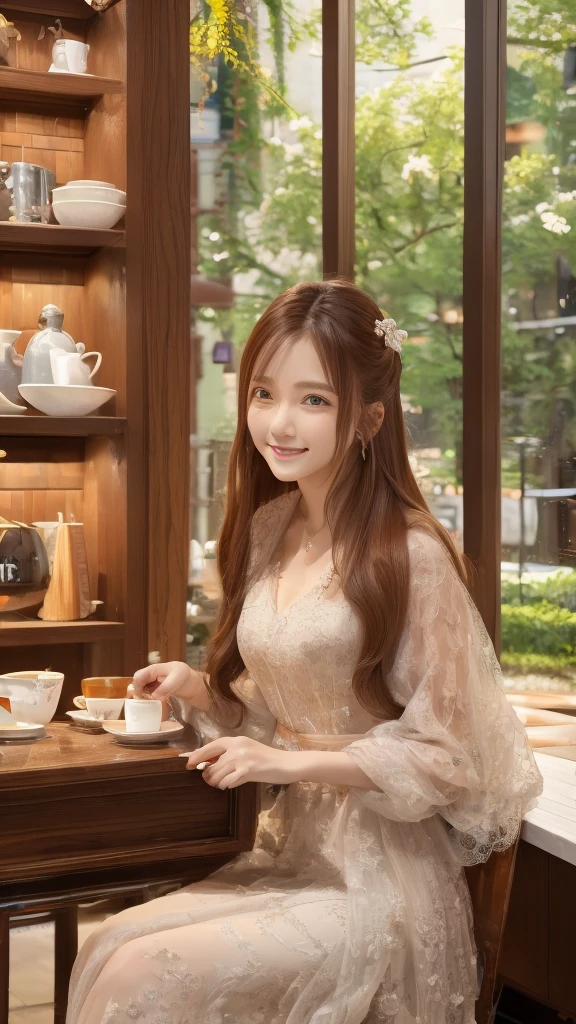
(226, 28)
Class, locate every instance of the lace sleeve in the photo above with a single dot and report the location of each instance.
(259, 722)
(459, 749)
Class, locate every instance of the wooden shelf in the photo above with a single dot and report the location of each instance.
(44, 88)
(54, 8)
(55, 238)
(61, 426)
(37, 632)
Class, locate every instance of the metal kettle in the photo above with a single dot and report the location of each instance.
(24, 568)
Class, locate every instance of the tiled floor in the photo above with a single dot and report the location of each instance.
(32, 991)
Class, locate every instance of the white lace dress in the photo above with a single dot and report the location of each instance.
(352, 906)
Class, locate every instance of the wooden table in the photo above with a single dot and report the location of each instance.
(83, 817)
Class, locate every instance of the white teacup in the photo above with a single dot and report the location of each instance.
(143, 715)
(71, 368)
(108, 709)
(70, 55)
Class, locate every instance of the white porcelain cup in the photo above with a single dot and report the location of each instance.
(70, 55)
(143, 715)
(71, 367)
(108, 709)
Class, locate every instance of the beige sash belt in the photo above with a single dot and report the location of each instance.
(316, 740)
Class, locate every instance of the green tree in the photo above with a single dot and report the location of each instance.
(409, 220)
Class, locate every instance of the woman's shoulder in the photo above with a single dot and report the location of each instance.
(430, 560)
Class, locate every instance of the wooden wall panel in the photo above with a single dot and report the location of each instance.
(56, 143)
(41, 506)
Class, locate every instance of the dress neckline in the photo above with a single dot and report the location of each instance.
(322, 582)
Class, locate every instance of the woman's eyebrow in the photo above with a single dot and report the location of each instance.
(321, 385)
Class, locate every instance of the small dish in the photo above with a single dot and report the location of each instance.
(87, 181)
(22, 731)
(88, 193)
(87, 213)
(82, 720)
(65, 399)
(169, 731)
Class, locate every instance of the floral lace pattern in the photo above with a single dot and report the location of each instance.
(352, 906)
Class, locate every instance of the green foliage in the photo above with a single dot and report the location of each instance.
(409, 209)
(522, 664)
(559, 589)
(539, 628)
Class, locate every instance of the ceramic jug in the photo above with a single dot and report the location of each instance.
(10, 366)
(37, 368)
(70, 367)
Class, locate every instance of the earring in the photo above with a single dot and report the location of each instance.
(361, 439)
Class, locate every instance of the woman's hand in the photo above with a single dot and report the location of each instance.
(240, 759)
(171, 679)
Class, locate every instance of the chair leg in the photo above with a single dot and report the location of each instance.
(65, 950)
(4, 966)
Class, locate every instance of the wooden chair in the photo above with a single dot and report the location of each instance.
(490, 885)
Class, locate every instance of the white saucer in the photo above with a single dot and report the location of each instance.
(22, 731)
(83, 721)
(169, 731)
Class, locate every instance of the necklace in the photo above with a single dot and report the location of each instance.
(311, 538)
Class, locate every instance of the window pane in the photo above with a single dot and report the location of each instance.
(257, 221)
(539, 349)
(409, 217)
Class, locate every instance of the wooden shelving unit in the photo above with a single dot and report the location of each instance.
(38, 633)
(77, 92)
(55, 238)
(125, 293)
(76, 9)
(33, 425)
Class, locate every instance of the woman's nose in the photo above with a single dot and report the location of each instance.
(282, 421)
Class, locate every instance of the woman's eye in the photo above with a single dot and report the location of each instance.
(258, 393)
(316, 400)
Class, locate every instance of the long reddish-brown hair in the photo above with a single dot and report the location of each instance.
(371, 504)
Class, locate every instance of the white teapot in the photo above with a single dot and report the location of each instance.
(37, 368)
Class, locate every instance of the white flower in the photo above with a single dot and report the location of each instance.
(417, 165)
(275, 141)
(521, 218)
(300, 122)
(541, 207)
(374, 264)
(280, 191)
(209, 312)
(214, 236)
(220, 256)
(552, 222)
(312, 220)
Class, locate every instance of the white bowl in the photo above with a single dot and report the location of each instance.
(89, 181)
(33, 696)
(87, 213)
(88, 193)
(65, 399)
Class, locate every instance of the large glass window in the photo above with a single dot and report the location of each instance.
(539, 349)
(409, 218)
(256, 149)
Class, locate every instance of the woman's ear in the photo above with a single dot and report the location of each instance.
(376, 416)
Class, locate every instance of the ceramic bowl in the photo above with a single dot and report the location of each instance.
(88, 193)
(65, 399)
(33, 696)
(89, 181)
(84, 213)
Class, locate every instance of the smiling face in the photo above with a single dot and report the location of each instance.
(292, 414)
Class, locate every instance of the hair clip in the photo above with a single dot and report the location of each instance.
(393, 337)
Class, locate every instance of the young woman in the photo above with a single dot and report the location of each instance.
(350, 670)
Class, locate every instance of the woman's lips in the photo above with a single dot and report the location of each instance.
(287, 453)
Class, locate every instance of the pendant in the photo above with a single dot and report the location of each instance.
(308, 546)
